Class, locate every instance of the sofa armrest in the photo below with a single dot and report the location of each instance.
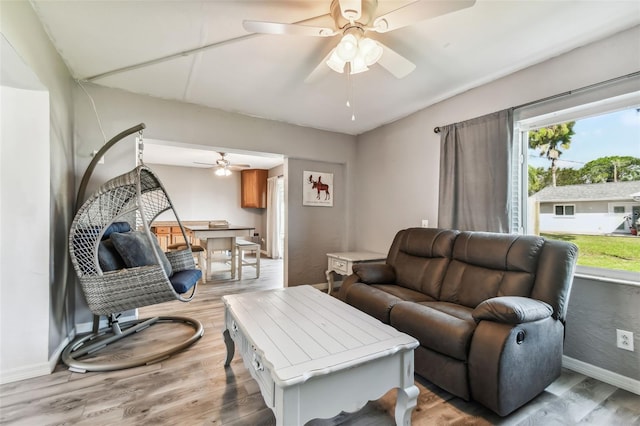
(510, 364)
(512, 310)
(375, 273)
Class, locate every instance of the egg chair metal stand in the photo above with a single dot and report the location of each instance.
(125, 207)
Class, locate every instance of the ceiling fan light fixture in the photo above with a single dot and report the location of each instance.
(370, 50)
(335, 63)
(358, 65)
(347, 49)
(223, 171)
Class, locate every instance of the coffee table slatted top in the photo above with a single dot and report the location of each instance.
(316, 334)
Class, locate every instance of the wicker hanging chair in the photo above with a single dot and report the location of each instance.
(121, 266)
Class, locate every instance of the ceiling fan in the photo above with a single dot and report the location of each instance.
(353, 19)
(223, 166)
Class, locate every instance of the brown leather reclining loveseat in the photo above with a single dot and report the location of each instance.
(487, 308)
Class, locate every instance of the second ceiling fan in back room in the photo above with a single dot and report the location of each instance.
(353, 19)
(223, 166)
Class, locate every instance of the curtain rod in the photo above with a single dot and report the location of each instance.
(567, 93)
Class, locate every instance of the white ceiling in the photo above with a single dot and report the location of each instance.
(179, 154)
(263, 75)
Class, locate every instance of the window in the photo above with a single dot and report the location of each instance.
(582, 163)
(618, 209)
(564, 209)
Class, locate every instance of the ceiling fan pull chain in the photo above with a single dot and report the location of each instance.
(348, 73)
(350, 92)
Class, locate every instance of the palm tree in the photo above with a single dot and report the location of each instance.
(549, 140)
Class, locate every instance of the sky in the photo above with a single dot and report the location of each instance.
(616, 133)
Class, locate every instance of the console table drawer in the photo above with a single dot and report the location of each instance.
(340, 266)
(261, 374)
(254, 362)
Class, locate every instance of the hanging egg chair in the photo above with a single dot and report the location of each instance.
(121, 267)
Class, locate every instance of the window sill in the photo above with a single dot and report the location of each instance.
(608, 275)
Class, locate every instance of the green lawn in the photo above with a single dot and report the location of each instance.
(600, 251)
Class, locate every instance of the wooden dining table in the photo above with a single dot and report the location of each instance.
(220, 238)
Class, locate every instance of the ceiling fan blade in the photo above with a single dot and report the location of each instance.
(395, 63)
(287, 29)
(204, 164)
(239, 166)
(320, 71)
(417, 11)
(351, 10)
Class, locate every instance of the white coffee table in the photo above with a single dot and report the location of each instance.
(314, 356)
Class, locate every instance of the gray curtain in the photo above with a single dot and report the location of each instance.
(475, 173)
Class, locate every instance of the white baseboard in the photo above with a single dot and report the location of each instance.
(37, 370)
(601, 374)
(25, 372)
(45, 368)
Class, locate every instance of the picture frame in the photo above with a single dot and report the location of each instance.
(317, 189)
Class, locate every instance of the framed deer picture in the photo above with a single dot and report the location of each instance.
(317, 189)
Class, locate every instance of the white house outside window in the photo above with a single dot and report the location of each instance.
(564, 209)
(591, 180)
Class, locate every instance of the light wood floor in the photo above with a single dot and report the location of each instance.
(194, 388)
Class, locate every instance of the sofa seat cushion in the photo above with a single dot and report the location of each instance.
(441, 327)
(403, 293)
(373, 301)
(453, 309)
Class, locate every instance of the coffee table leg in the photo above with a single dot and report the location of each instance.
(407, 399)
(231, 347)
(407, 392)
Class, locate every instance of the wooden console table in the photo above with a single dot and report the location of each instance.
(342, 263)
(314, 356)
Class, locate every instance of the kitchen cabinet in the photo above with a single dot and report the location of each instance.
(254, 188)
(163, 233)
(167, 235)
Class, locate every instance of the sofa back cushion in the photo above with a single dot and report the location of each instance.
(486, 265)
(420, 257)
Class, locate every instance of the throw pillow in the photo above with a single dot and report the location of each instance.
(108, 257)
(116, 227)
(136, 250)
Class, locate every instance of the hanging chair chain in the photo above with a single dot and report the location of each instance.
(140, 148)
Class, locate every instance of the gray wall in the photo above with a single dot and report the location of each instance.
(23, 30)
(312, 232)
(595, 311)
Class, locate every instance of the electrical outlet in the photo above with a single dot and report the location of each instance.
(624, 339)
(425, 223)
